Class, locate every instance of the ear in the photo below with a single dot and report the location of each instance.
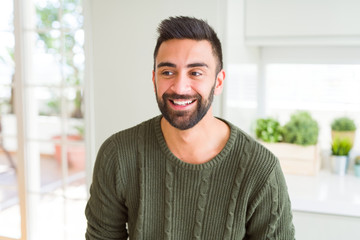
(219, 82)
(153, 80)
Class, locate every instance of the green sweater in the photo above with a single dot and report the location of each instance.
(141, 190)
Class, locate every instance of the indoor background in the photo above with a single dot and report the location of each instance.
(74, 72)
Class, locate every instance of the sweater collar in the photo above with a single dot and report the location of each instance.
(210, 164)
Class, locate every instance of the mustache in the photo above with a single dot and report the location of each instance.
(180, 96)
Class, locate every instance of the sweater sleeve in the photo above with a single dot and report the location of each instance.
(106, 212)
(271, 216)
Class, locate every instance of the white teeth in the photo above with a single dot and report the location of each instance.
(182, 103)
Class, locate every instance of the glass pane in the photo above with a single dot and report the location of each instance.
(60, 202)
(243, 82)
(43, 115)
(6, 100)
(75, 221)
(241, 95)
(8, 131)
(6, 57)
(47, 101)
(57, 196)
(71, 149)
(75, 108)
(47, 164)
(76, 127)
(58, 217)
(74, 58)
(6, 15)
(327, 91)
(9, 208)
(10, 221)
(72, 14)
(47, 14)
(45, 58)
(314, 86)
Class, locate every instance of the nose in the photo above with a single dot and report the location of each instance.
(181, 84)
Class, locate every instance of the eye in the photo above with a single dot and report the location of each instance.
(167, 73)
(196, 74)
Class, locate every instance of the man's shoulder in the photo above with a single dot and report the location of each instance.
(252, 148)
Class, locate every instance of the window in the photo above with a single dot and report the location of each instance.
(43, 188)
(322, 80)
(327, 91)
(241, 94)
(9, 209)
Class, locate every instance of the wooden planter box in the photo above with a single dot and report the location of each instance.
(296, 159)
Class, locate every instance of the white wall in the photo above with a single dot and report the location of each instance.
(123, 35)
(302, 22)
(237, 57)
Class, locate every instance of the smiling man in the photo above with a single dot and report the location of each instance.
(186, 78)
(186, 174)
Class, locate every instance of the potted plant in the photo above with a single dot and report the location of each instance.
(340, 149)
(302, 129)
(268, 130)
(357, 166)
(298, 151)
(343, 127)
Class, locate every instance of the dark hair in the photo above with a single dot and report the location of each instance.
(189, 28)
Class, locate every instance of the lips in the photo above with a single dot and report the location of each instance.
(182, 102)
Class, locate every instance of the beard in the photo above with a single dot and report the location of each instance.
(184, 120)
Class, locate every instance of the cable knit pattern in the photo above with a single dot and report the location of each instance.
(236, 189)
(140, 154)
(274, 211)
(168, 200)
(151, 194)
(204, 187)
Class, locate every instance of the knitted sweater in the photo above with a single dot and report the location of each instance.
(141, 190)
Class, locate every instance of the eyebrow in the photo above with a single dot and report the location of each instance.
(165, 64)
(191, 65)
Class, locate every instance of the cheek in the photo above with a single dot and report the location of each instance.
(163, 86)
(203, 90)
(160, 89)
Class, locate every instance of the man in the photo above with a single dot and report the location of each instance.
(186, 174)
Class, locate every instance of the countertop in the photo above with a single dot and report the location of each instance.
(325, 193)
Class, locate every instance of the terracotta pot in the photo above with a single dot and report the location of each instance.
(75, 153)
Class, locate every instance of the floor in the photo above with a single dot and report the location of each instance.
(58, 211)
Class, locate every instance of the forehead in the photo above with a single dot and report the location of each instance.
(185, 51)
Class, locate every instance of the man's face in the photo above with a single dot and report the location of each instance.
(185, 81)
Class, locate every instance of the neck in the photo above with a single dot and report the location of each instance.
(198, 144)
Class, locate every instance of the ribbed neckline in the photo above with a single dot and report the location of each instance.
(213, 162)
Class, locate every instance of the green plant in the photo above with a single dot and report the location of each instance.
(357, 160)
(341, 146)
(302, 129)
(268, 130)
(343, 124)
(80, 129)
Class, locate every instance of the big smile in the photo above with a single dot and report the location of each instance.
(182, 103)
